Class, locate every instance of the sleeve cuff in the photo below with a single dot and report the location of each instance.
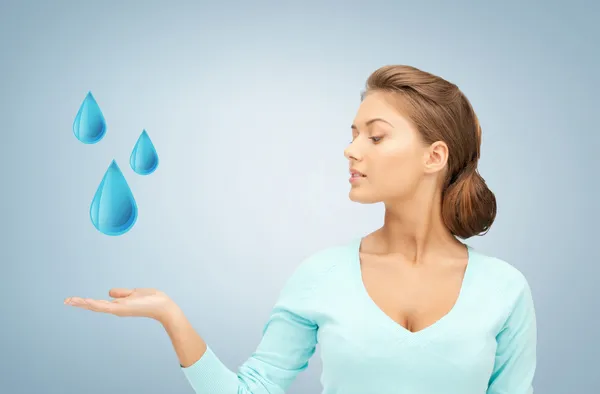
(209, 375)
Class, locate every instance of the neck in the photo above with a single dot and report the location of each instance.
(415, 228)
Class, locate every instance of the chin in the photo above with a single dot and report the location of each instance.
(362, 197)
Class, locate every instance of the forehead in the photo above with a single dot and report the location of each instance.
(379, 105)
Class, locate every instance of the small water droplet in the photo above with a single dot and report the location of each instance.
(144, 159)
(89, 126)
(113, 210)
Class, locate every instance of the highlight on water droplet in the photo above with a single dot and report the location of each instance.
(144, 159)
(89, 126)
(113, 210)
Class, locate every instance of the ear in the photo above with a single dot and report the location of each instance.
(436, 157)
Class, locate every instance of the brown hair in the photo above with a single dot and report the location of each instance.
(441, 112)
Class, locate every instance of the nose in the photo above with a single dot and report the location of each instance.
(350, 152)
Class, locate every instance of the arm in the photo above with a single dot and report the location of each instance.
(515, 362)
(288, 341)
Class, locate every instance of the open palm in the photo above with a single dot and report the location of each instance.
(142, 302)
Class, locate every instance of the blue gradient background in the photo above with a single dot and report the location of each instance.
(249, 107)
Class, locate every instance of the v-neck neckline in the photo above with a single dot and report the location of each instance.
(368, 301)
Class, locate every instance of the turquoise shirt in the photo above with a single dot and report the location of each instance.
(485, 345)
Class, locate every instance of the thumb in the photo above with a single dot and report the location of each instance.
(120, 292)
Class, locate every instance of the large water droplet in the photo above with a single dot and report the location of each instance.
(144, 159)
(89, 126)
(113, 210)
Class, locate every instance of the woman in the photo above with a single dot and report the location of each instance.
(406, 309)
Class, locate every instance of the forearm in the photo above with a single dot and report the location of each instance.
(188, 345)
(288, 341)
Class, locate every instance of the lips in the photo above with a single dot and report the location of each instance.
(356, 173)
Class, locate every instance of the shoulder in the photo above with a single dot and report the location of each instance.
(502, 285)
(508, 295)
(498, 272)
(313, 270)
(318, 265)
(501, 280)
(322, 261)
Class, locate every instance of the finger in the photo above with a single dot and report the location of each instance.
(95, 305)
(75, 301)
(119, 292)
(78, 302)
(102, 306)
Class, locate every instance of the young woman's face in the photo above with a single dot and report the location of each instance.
(387, 149)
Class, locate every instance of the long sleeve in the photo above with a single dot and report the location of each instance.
(515, 361)
(288, 341)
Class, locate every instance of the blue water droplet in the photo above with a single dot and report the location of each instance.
(113, 210)
(89, 126)
(144, 159)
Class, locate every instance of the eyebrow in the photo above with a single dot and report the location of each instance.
(368, 122)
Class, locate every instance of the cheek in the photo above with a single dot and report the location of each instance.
(398, 168)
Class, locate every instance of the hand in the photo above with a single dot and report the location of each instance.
(149, 303)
